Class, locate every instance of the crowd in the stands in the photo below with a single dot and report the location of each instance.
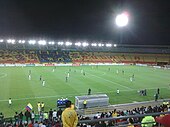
(58, 56)
(53, 118)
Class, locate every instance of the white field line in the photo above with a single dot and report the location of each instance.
(71, 95)
(111, 82)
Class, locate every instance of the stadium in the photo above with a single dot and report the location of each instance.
(91, 82)
(105, 69)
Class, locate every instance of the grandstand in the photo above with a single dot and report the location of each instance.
(42, 59)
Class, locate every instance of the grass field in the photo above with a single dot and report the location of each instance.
(14, 84)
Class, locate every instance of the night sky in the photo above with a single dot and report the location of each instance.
(91, 20)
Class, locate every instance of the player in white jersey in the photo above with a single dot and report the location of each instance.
(43, 83)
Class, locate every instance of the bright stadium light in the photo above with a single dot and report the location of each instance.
(68, 43)
(77, 44)
(108, 45)
(60, 43)
(115, 45)
(122, 19)
(12, 41)
(9, 41)
(42, 42)
(84, 44)
(1, 40)
(51, 43)
(23, 41)
(32, 42)
(93, 44)
(100, 45)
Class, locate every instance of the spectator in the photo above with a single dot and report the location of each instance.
(20, 117)
(54, 115)
(16, 118)
(69, 116)
(50, 114)
(163, 120)
(27, 115)
(36, 124)
(32, 116)
(59, 112)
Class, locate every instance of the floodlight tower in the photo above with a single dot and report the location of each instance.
(121, 21)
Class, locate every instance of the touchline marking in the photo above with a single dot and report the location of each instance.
(71, 95)
(111, 82)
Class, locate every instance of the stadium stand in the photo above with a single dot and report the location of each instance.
(45, 56)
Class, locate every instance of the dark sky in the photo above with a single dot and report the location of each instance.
(149, 20)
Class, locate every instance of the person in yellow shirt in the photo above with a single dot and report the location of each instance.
(114, 114)
(69, 116)
(85, 103)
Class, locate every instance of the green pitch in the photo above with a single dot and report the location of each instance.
(14, 83)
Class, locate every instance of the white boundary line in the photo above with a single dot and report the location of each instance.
(71, 95)
(112, 82)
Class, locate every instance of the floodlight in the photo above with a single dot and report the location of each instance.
(68, 43)
(115, 45)
(23, 41)
(32, 42)
(9, 41)
(60, 43)
(1, 40)
(19, 41)
(51, 42)
(93, 44)
(84, 44)
(122, 19)
(12, 41)
(78, 44)
(42, 42)
(108, 45)
(100, 45)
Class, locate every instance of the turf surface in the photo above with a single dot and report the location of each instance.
(14, 83)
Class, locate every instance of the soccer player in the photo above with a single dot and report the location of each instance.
(10, 102)
(53, 70)
(117, 91)
(117, 71)
(29, 72)
(109, 69)
(89, 91)
(131, 79)
(133, 76)
(43, 83)
(40, 77)
(81, 70)
(29, 76)
(158, 90)
(66, 79)
(68, 74)
(123, 72)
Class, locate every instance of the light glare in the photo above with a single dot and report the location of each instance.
(122, 19)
